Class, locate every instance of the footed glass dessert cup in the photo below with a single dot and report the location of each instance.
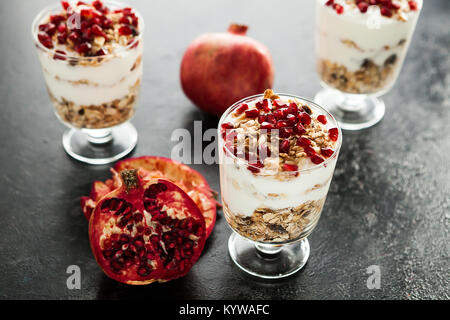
(360, 48)
(277, 156)
(91, 58)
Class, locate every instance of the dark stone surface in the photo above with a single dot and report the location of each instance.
(389, 202)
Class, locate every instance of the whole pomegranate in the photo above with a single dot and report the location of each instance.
(219, 69)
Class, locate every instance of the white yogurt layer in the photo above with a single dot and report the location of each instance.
(108, 81)
(244, 192)
(377, 37)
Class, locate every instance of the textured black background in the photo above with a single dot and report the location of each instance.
(388, 204)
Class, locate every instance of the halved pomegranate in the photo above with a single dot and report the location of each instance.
(146, 230)
(99, 189)
(191, 181)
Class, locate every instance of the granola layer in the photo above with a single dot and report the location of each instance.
(282, 225)
(369, 78)
(97, 116)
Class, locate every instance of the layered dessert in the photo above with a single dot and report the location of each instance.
(361, 44)
(277, 157)
(91, 56)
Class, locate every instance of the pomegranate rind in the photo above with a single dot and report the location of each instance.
(188, 179)
(99, 189)
(102, 225)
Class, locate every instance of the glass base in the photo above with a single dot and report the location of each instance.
(268, 261)
(352, 111)
(100, 146)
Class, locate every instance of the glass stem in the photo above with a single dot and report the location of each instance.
(268, 251)
(351, 103)
(99, 136)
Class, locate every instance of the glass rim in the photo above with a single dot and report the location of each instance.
(46, 10)
(307, 101)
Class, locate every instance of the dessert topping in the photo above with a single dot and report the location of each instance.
(89, 29)
(273, 124)
(387, 7)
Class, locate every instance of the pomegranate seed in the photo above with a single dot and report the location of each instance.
(285, 146)
(87, 13)
(278, 103)
(363, 6)
(326, 152)
(262, 105)
(305, 119)
(65, 5)
(84, 26)
(127, 11)
(278, 114)
(107, 23)
(412, 5)
(83, 48)
(322, 118)
(134, 21)
(266, 106)
(292, 108)
(309, 151)
(291, 119)
(303, 142)
(242, 108)
(329, 2)
(62, 38)
(98, 31)
(259, 105)
(290, 167)
(125, 31)
(125, 20)
(62, 28)
(74, 37)
(282, 124)
(339, 9)
(386, 12)
(45, 40)
(267, 126)
(262, 118)
(334, 134)
(101, 52)
(227, 125)
(59, 55)
(255, 168)
(56, 19)
(271, 118)
(254, 113)
(286, 132)
(50, 29)
(317, 159)
(97, 4)
(299, 129)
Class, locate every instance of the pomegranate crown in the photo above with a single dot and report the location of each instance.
(239, 29)
(130, 178)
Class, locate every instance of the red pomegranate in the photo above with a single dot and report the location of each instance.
(219, 69)
(146, 230)
(189, 180)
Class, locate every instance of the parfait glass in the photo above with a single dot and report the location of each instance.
(94, 96)
(359, 56)
(272, 214)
